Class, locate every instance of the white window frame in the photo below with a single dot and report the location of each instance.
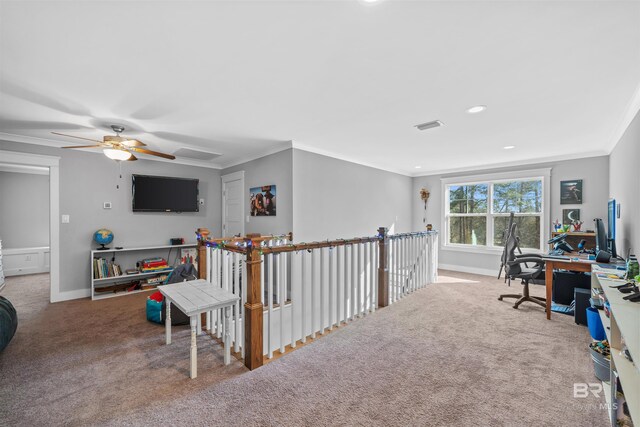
(490, 179)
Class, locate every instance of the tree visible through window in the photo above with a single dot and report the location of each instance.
(477, 214)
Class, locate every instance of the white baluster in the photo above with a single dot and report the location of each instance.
(331, 303)
(338, 291)
(354, 283)
(280, 281)
(362, 282)
(294, 340)
(345, 283)
(219, 274)
(303, 299)
(365, 278)
(374, 264)
(270, 306)
(209, 262)
(372, 274)
(236, 291)
(313, 293)
(396, 281)
(323, 311)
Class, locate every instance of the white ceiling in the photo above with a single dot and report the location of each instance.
(344, 78)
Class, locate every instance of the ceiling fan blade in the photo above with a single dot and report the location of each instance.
(132, 158)
(133, 143)
(84, 146)
(153, 153)
(78, 137)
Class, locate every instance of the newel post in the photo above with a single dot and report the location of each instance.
(383, 268)
(202, 252)
(253, 306)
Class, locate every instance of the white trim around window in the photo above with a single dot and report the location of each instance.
(542, 174)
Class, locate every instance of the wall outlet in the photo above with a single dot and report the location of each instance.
(248, 217)
(201, 201)
(106, 205)
(65, 219)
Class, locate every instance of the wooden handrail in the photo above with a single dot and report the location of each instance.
(295, 247)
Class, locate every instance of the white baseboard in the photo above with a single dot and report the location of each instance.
(69, 295)
(465, 269)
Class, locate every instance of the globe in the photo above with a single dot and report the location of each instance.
(103, 237)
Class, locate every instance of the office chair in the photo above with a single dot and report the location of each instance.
(515, 270)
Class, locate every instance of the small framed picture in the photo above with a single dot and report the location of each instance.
(569, 216)
(262, 200)
(571, 192)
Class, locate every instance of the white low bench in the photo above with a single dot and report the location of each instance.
(194, 298)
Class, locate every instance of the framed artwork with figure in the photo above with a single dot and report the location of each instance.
(262, 200)
(571, 192)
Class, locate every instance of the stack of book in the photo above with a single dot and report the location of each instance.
(154, 264)
(103, 268)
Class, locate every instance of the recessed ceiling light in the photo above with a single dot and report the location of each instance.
(369, 1)
(476, 109)
(417, 167)
(509, 147)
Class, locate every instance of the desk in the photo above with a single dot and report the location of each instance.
(194, 298)
(582, 265)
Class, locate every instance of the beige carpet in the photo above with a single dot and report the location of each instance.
(450, 354)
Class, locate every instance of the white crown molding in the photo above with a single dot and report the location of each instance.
(633, 107)
(331, 154)
(280, 147)
(58, 144)
(532, 161)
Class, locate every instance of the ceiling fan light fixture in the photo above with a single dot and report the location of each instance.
(117, 154)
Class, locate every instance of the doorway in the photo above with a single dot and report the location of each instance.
(36, 162)
(233, 204)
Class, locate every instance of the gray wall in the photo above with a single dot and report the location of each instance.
(24, 210)
(624, 180)
(273, 169)
(87, 180)
(337, 199)
(593, 171)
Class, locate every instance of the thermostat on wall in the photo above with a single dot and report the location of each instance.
(107, 205)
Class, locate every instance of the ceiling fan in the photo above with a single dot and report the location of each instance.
(118, 147)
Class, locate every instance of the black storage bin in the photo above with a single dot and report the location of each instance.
(564, 282)
(581, 297)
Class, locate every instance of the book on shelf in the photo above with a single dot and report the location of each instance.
(103, 269)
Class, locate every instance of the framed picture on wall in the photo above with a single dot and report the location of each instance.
(571, 192)
(569, 216)
(262, 200)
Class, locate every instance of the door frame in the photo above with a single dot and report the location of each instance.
(235, 176)
(53, 163)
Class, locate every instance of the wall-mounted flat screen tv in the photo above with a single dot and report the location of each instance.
(164, 194)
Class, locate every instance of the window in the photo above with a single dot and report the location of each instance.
(476, 212)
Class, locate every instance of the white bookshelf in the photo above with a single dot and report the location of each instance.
(126, 258)
(622, 326)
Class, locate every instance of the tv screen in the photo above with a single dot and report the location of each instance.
(164, 194)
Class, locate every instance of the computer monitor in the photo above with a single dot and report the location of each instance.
(602, 243)
(611, 229)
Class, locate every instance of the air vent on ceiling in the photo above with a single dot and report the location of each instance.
(190, 153)
(429, 125)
